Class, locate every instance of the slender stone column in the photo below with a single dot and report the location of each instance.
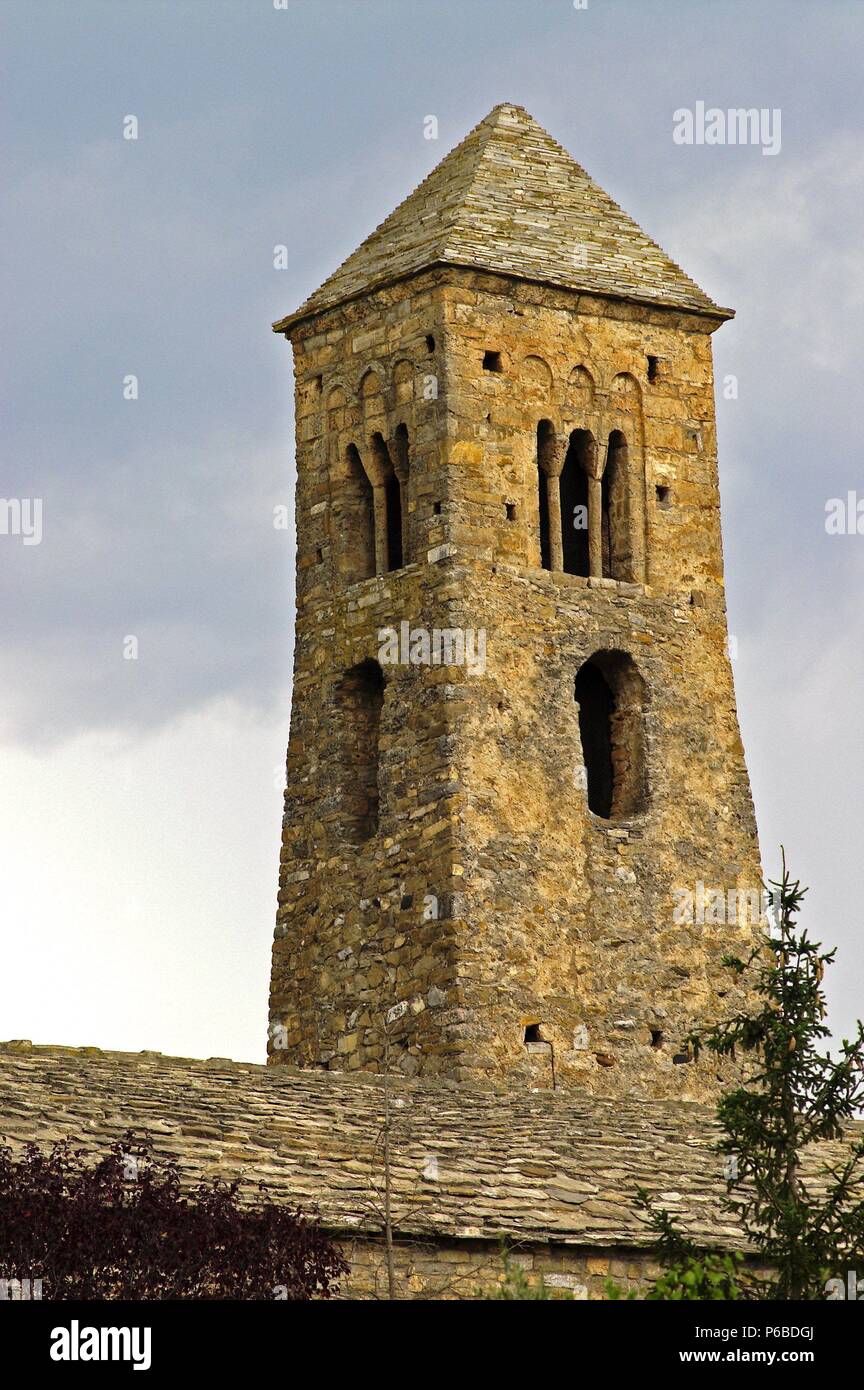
(594, 465)
(402, 479)
(398, 450)
(379, 496)
(553, 496)
(553, 463)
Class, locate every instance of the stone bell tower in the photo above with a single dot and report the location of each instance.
(518, 831)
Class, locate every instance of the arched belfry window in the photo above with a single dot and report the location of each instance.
(359, 701)
(615, 525)
(563, 500)
(610, 694)
(357, 509)
(546, 481)
(574, 504)
(388, 507)
(401, 467)
(394, 522)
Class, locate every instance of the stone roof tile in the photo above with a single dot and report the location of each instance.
(510, 199)
(539, 1165)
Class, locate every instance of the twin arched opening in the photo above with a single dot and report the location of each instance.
(589, 507)
(359, 702)
(611, 698)
(373, 499)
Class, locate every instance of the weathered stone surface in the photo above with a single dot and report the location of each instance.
(436, 816)
(511, 200)
(477, 893)
(555, 1171)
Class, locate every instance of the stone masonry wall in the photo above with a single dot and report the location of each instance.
(463, 1270)
(493, 928)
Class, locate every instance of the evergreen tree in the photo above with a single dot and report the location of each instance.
(806, 1231)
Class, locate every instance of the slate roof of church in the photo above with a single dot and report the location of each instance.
(510, 199)
(467, 1163)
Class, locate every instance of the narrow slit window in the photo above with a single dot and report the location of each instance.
(545, 441)
(357, 503)
(615, 524)
(574, 504)
(360, 698)
(393, 493)
(610, 694)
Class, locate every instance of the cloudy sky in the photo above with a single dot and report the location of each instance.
(140, 800)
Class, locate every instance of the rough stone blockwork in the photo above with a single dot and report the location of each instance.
(506, 435)
(514, 755)
(556, 1173)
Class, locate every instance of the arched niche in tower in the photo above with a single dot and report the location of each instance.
(372, 403)
(359, 703)
(402, 469)
(547, 482)
(579, 397)
(334, 412)
(575, 501)
(387, 495)
(611, 696)
(624, 555)
(353, 511)
(617, 555)
(536, 375)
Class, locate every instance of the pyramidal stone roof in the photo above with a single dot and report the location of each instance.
(509, 199)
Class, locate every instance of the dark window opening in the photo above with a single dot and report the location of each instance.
(358, 505)
(430, 343)
(681, 1059)
(653, 368)
(393, 494)
(596, 704)
(319, 556)
(611, 696)
(436, 507)
(510, 508)
(545, 440)
(656, 1037)
(532, 1033)
(492, 361)
(359, 698)
(390, 472)
(402, 470)
(615, 528)
(574, 505)
(663, 495)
